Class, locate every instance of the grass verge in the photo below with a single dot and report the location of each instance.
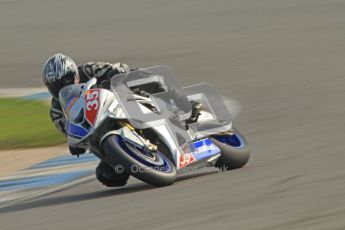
(25, 124)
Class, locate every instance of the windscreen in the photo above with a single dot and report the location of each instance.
(172, 103)
(68, 93)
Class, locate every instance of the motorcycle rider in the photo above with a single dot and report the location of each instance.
(60, 71)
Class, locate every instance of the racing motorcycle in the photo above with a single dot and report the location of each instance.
(147, 126)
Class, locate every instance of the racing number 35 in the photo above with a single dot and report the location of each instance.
(92, 105)
(92, 100)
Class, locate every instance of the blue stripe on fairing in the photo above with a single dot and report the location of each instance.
(69, 102)
(210, 149)
(207, 142)
(76, 131)
(42, 181)
(65, 160)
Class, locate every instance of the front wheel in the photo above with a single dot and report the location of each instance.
(151, 167)
(234, 150)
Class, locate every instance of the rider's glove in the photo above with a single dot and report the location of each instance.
(117, 68)
(75, 151)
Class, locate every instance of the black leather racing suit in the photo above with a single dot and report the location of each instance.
(101, 70)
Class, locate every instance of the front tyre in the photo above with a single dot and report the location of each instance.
(234, 150)
(151, 167)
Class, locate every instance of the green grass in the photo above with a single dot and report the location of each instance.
(25, 124)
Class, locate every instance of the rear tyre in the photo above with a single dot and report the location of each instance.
(108, 177)
(151, 167)
(234, 150)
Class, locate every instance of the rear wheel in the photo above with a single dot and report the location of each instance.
(234, 148)
(151, 167)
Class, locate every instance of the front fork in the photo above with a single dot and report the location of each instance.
(130, 134)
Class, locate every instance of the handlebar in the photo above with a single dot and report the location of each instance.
(90, 83)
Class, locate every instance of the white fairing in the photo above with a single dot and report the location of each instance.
(106, 99)
(165, 135)
(85, 110)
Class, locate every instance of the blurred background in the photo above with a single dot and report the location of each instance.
(283, 61)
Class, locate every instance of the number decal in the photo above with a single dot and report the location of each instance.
(92, 95)
(92, 105)
(186, 159)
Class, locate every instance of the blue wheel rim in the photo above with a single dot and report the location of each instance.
(164, 167)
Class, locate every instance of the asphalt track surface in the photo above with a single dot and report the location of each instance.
(284, 61)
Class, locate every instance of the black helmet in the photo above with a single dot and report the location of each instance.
(59, 71)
